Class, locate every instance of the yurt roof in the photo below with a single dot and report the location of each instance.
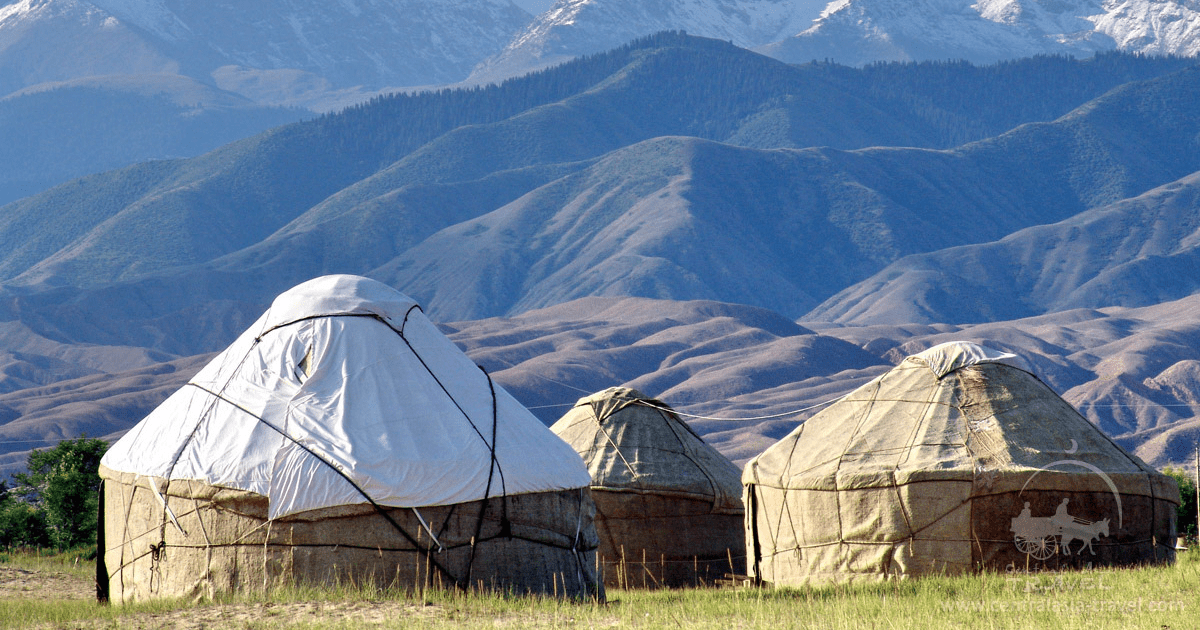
(341, 391)
(947, 357)
(956, 411)
(633, 443)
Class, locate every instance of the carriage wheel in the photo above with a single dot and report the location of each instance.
(1040, 548)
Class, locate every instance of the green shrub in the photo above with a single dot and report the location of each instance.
(21, 525)
(1186, 520)
(62, 484)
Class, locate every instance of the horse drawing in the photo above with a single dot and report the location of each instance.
(1042, 537)
(1083, 531)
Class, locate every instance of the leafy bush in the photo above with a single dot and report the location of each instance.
(21, 525)
(62, 485)
(1186, 521)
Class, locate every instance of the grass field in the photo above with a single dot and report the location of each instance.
(57, 592)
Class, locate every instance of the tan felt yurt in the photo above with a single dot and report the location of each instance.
(957, 459)
(343, 439)
(668, 505)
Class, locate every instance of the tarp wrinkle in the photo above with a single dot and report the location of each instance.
(386, 428)
(305, 442)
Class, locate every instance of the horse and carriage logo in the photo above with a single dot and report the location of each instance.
(1041, 537)
(1044, 536)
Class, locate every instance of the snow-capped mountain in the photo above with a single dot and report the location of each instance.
(268, 50)
(860, 31)
(43, 41)
(578, 27)
(984, 31)
(303, 52)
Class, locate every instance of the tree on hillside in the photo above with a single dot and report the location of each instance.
(62, 485)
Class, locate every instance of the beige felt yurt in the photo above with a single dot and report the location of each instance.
(343, 439)
(668, 505)
(957, 459)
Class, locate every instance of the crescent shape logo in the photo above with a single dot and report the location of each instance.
(1074, 462)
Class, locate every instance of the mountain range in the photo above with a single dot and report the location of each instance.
(738, 236)
(744, 376)
(91, 85)
(55, 132)
(1136, 252)
(864, 31)
(857, 32)
(278, 52)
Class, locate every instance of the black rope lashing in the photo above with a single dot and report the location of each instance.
(404, 322)
(264, 333)
(449, 518)
(580, 568)
(505, 525)
(378, 508)
(162, 546)
(432, 375)
(494, 463)
(192, 434)
(493, 467)
(445, 390)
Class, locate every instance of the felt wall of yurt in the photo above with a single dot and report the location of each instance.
(343, 439)
(958, 459)
(668, 505)
(215, 540)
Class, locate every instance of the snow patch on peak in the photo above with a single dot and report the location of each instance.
(1152, 27)
(1055, 18)
(570, 28)
(26, 9)
(149, 15)
(834, 7)
(564, 12)
(1002, 11)
(985, 31)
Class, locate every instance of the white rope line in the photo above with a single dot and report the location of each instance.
(766, 417)
(1137, 406)
(668, 409)
(688, 415)
(751, 419)
(544, 378)
(692, 415)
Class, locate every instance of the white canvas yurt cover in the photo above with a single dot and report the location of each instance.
(668, 505)
(955, 460)
(343, 436)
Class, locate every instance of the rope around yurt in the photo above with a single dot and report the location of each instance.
(426, 553)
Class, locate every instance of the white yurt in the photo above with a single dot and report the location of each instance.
(668, 505)
(343, 439)
(957, 459)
